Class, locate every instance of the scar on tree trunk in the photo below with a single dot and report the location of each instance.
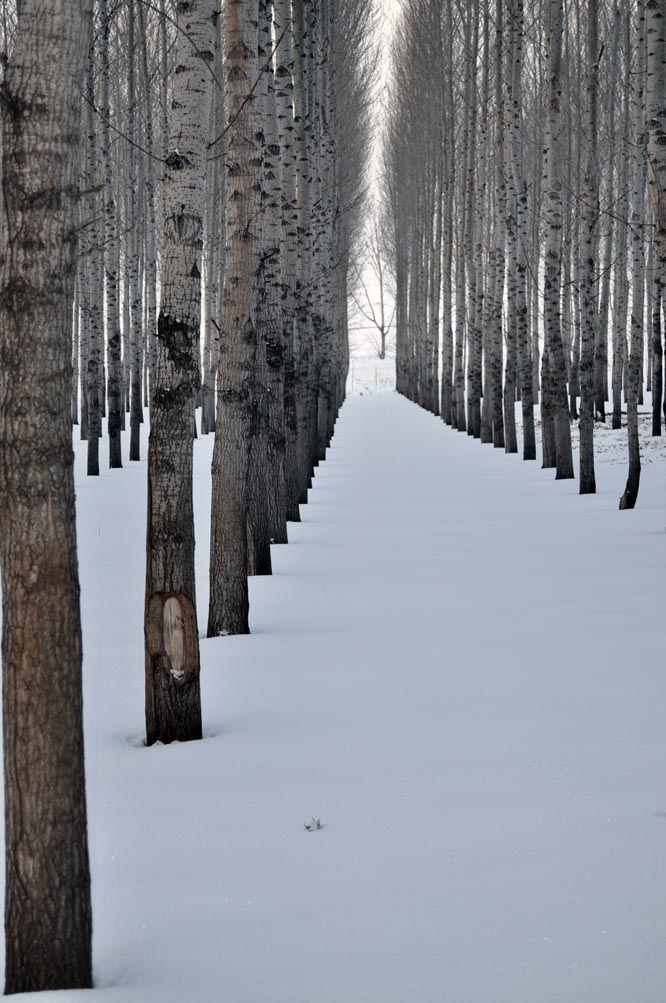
(173, 703)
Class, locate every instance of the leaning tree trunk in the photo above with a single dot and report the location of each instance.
(47, 899)
(173, 702)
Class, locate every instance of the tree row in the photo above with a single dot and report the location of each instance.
(527, 245)
(181, 194)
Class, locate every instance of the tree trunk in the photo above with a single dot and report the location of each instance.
(133, 251)
(589, 288)
(657, 355)
(284, 85)
(47, 899)
(148, 214)
(620, 283)
(173, 702)
(111, 256)
(601, 344)
(93, 279)
(499, 245)
(638, 172)
(553, 380)
(521, 196)
(229, 605)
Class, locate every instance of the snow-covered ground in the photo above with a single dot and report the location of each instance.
(458, 666)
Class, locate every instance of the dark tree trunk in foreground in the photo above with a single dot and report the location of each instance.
(47, 903)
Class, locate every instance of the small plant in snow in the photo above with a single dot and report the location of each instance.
(313, 825)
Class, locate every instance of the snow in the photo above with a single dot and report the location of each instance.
(458, 668)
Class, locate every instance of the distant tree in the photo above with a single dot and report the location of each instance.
(270, 292)
(47, 898)
(657, 354)
(620, 279)
(289, 242)
(656, 126)
(372, 293)
(519, 191)
(134, 314)
(638, 173)
(267, 391)
(92, 276)
(111, 250)
(590, 224)
(556, 427)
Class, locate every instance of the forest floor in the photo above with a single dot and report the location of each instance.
(458, 667)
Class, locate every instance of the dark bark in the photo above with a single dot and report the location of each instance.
(47, 899)
(657, 357)
(228, 611)
(173, 701)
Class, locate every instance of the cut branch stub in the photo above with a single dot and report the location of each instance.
(173, 699)
(172, 636)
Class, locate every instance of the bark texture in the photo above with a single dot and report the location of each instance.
(229, 605)
(47, 904)
(173, 702)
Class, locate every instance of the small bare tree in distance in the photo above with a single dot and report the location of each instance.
(373, 293)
